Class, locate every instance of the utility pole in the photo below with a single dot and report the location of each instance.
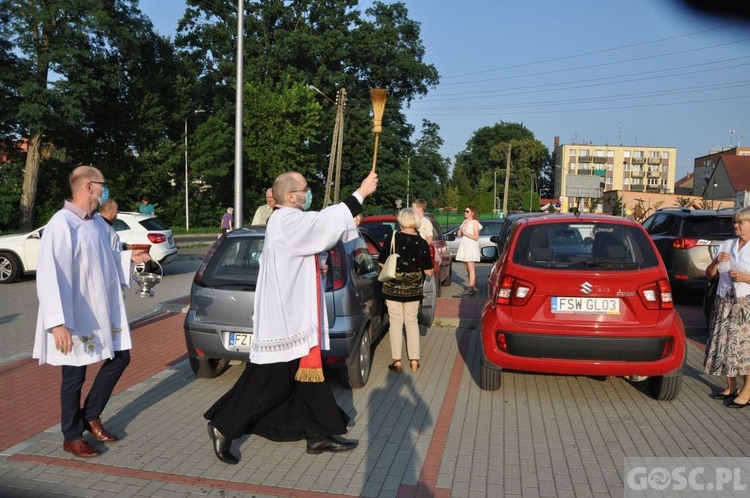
(507, 181)
(334, 162)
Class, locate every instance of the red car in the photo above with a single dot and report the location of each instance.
(379, 226)
(582, 295)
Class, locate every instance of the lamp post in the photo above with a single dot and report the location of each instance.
(713, 194)
(408, 179)
(187, 211)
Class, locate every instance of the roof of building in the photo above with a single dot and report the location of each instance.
(738, 171)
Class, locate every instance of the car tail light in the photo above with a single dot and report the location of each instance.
(157, 238)
(657, 295)
(685, 243)
(336, 269)
(514, 291)
(198, 279)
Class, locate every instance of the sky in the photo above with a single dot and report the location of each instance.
(641, 72)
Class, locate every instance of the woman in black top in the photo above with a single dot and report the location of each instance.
(403, 295)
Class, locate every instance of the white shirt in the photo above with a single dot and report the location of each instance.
(741, 262)
(78, 281)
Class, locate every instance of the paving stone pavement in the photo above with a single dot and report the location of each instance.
(429, 433)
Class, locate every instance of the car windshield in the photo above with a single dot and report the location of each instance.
(720, 227)
(235, 263)
(578, 246)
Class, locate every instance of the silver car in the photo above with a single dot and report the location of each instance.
(490, 227)
(219, 323)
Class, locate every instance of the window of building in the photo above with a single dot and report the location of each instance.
(573, 152)
(609, 180)
(665, 154)
(610, 153)
(654, 154)
(636, 167)
(583, 152)
(653, 182)
(626, 167)
(626, 153)
(610, 166)
(665, 169)
(600, 153)
(584, 166)
(638, 153)
(626, 181)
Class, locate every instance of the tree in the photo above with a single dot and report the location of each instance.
(77, 61)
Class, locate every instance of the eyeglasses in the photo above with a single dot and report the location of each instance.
(307, 187)
(101, 184)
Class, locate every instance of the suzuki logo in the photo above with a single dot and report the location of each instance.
(586, 288)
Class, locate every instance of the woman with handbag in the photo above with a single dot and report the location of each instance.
(404, 293)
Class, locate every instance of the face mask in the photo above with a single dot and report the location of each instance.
(308, 200)
(104, 196)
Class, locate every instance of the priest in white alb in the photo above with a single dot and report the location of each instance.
(82, 318)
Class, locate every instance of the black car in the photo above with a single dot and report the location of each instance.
(687, 241)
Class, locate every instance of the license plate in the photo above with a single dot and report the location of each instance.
(586, 305)
(237, 339)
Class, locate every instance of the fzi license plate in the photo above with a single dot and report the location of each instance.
(240, 340)
(586, 305)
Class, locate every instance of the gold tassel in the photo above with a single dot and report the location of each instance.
(309, 375)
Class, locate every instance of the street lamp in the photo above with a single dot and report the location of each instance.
(187, 211)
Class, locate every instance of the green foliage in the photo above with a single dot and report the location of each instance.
(683, 201)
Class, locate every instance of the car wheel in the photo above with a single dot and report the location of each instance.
(207, 368)
(358, 373)
(665, 388)
(489, 377)
(10, 268)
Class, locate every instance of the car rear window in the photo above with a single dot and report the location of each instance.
(235, 263)
(154, 225)
(720, 227)
(380, 229)
(578, 246)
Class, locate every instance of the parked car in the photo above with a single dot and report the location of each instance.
(19, 253)
(219, 322)
(688, 240)
(380, 226)
(136, 228)
(605, 310)
(490, 227)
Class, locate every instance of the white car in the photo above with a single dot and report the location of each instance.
(19, 253)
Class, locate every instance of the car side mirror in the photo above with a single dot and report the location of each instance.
(494, 239)
(450, 236)
(489, 252)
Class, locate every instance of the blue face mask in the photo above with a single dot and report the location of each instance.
(105, 195)
(308, 200)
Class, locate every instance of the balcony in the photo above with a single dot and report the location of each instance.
(637, 174)
(585, 159)
(637, 188)
(653, 188)
(654, 174)
(599, 172)
(654, 160)
(600, 159)
(638, 160)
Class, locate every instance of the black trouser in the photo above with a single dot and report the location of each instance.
(70, 393)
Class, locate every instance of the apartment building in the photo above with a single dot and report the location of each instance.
(585, 171)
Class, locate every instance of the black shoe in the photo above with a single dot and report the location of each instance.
(330, 443)
(734, 404)
(721, 395)
(222, 444)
